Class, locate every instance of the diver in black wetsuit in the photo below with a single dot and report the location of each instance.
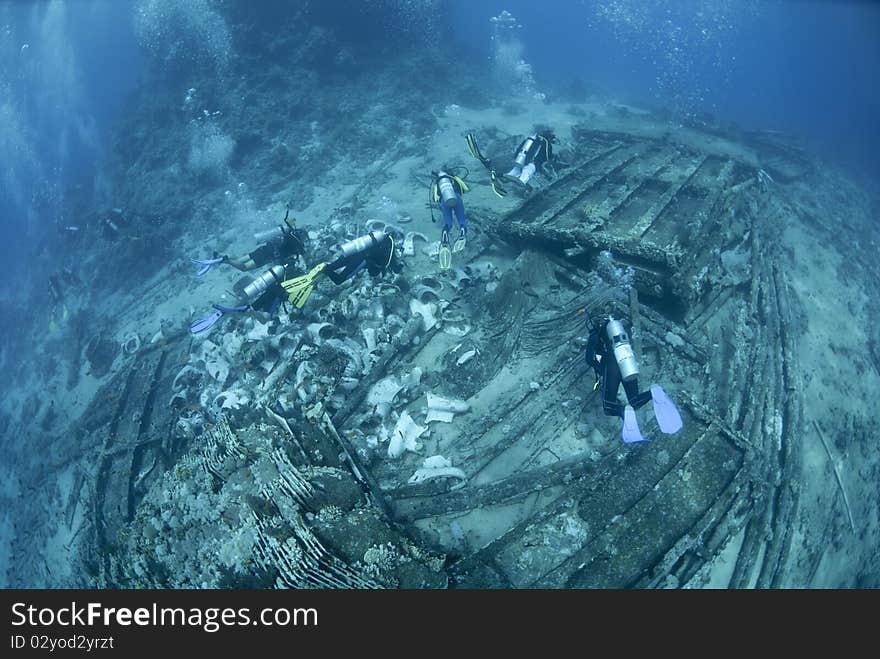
(611, 356)
(376, 252)
(263, 293)
(532, 153)
(284, 244)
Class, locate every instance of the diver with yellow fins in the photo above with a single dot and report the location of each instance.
(446, 190)
(375, 252)
(497, 188)
(533, 152)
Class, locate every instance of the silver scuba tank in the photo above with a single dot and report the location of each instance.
(523, 152)
(447, 189)
(362, 244)
(275, 233)
(272, 276)
(623, 352)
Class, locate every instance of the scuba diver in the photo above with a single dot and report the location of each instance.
(284, 242)
(611, 356)
(533, 152)
(263, 293)
(497, 188)
(376, 252)
(57, 296)
(446, 191)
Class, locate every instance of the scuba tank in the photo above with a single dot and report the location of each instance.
(275, 233)
(524, 151)
(272, 276)
(623, 352)
(362, 244)
(448, 195)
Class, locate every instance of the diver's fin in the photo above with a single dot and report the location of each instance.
(460, 243)
(52, 321)
(631, 432)
(665, 411)
(206, 323)
(445, 258)
(475, 150)
(63, 312)
(206, 264)
(300, 288)
(497, 188)
(472, 145)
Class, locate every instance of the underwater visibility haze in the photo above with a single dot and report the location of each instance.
(421, 294)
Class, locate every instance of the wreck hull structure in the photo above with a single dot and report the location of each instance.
(551, 498)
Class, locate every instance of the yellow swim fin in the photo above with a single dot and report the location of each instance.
(497, 188)
(475, 150)
(472, 145)
(445, 258)
(300, 288)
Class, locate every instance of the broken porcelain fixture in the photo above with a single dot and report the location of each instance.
(217, 368)
(259, 331)
(426, 311)
(369, 338)
(409, 247)
(185, 377)
(413, 378)
(232, 399)
(302, 381)
(466, 357)
(320, 332)
(431, 282)
(383, 391)
(131, 344)
(426, 294)
(375, 225)
(436, 467)
(460, 278)
(405, 436)
(482, 270)
(444, 409)
(455, 323)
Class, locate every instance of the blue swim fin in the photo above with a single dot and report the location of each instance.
(665, 411)
(205, 323)
(208, 322)
(206, 264)
(631, 432)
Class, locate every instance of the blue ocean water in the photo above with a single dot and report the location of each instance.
(806, 68)
(803, 68)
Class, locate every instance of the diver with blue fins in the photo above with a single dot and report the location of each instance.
(263, 293)
(446, 191)
(282, 243)
(610, 354)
